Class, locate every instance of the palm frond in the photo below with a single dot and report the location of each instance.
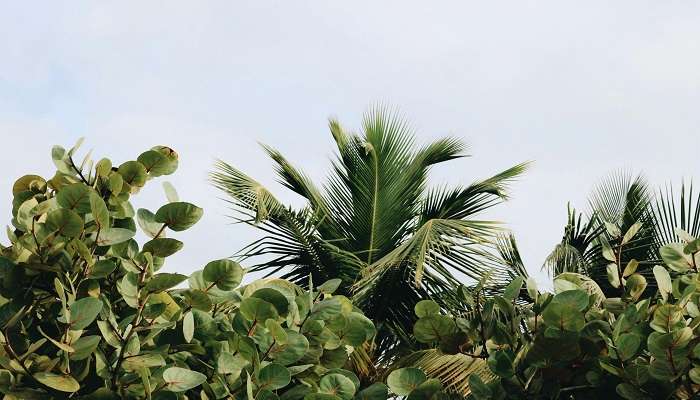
(507, 247)
(245, 192)
(464, 202)
(670, 216)
(453, 370)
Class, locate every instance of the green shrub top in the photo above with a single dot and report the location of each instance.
(87, 312)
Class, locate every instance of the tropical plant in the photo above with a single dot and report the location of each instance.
(578, 343)
(86, 312)
(376, 224)
(616, 205)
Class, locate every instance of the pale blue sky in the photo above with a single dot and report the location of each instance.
(582, 88)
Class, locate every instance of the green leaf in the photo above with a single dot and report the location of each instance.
(675, 258)
(147, 222)
(180, 379)
(274, 376)
(133, 173)
(83, 312)
(163, 247)
(512, 291)
(608, 251)
(63, 383)
(198, 299)
(179, 216)
(99, 210)
(613, 275)
(149, 360)
(627, 345)
(631, 268)
(85, 347)
(631, 232)
(501, 363)
(274, 297)
(663, 281)
(164, 281)
(402, 381)
(337, 385)
(254, 309)
(612, 229)
(102, 269)
(110, 236)
(188, 326)
(426, 390)
(433, 328)
(170, 192)
(156, 163)
(227, 363)
(64, 222)
(375, 391)
(563, 316)
(636, 284)
(278, 333)
(225, 274)
(425, 308)
(75, 197)
(576, 298)
(329, 286)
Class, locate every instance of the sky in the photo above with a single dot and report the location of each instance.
(583, 89)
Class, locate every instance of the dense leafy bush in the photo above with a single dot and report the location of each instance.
(577, 343)
(86, 312)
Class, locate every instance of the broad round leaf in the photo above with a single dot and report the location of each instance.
(254, 309)
(133, 173)
(337, 385)
(28, 183)
(426, 390)
(432, 328)
(75, 197)
(225, 274)
(292, 351)
(179, 216)
(156, 163)
(426, 307)
(402, 381)
(147, 222)
(274, 297)
(273, 376)
(64, 222)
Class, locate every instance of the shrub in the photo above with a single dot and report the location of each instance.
(86, 312)
(576, 343)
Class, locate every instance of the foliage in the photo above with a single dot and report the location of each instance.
(578, 343)
(376, 225)
(88, 313)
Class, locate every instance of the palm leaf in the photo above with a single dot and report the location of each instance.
(453, 370)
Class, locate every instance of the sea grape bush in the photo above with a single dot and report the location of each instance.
(86, 312)
(575, 343)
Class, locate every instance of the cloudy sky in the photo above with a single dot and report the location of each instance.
(581, 88)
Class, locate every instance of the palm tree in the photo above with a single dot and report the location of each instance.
(375, 224)
(616, 204)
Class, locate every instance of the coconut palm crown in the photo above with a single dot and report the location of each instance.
(376, 224)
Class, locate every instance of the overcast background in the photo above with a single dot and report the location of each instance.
(581, 88)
